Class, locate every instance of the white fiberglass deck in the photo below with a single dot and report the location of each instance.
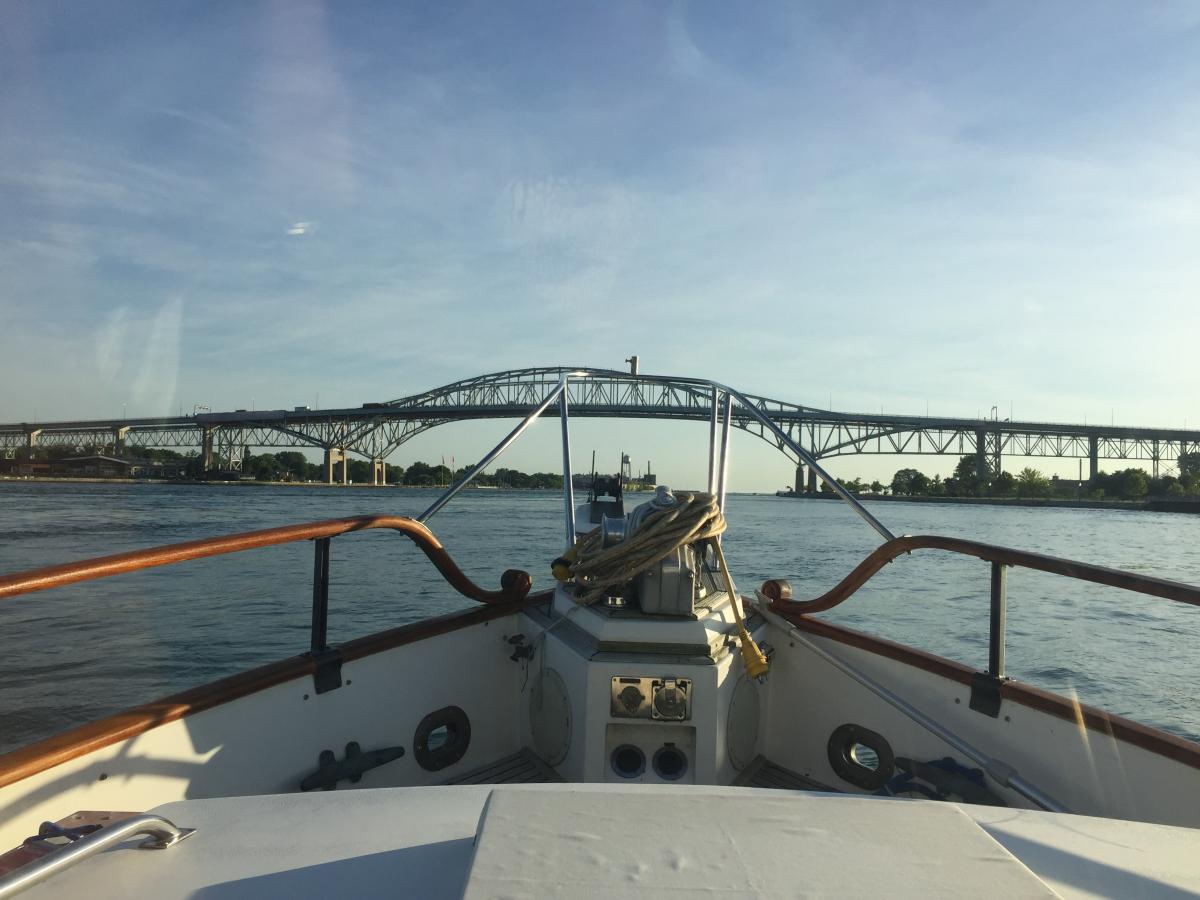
(421, 842)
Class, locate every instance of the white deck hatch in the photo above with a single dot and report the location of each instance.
(633, 844)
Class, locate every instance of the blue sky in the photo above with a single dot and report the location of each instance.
(879, 205)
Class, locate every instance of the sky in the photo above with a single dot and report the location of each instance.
(907, 207)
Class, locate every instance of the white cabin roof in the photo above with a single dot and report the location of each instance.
(422, 842)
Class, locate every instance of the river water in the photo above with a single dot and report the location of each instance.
(76, 653)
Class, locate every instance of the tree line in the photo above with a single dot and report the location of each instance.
(293, 466)
(966, 481)
(1125, 484)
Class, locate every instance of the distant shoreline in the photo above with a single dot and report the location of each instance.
(246, 482)
(241, 482)
(1163, 504)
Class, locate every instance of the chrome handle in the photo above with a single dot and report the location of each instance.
(161, 832)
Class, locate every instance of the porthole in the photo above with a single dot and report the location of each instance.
(861, 756)
(442, 738)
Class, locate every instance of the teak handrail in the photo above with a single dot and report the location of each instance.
(988, 687)
(1004, 556)
(514, 584)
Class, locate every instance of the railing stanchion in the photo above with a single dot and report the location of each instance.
(327, 671)
(998, 611)
(320, 608)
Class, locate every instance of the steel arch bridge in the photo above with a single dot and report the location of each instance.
(375, 430)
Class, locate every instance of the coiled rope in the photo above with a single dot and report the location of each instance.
(694, 517)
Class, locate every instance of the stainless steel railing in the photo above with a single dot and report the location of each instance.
(723, 399)
(161, 833)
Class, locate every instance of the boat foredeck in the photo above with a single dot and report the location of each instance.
(368, 843)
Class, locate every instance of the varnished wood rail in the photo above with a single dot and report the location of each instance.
(1004, 556)
(514, 584)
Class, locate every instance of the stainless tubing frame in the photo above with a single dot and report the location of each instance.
(162, 834)
(723, 468)
(496, 451)
(1000, 772)
(808, 458)
(717, 388)
(783, 437)
(712, 443)
(568, 486)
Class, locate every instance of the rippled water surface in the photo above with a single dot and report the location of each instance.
(72, 654)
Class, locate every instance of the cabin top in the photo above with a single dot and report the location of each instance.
(590, 840)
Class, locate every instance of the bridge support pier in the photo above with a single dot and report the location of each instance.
(31, 438)
(378, 471)
(799, 482)
(981, 462)
(119, 441)
(812, 481)
(333, 456)
(1093, 457)
(206, 448)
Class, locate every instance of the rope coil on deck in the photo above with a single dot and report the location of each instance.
(695, 517)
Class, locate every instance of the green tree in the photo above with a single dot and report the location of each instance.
(966, 478)
(1125, 484)
(876, 486)
(419, 473)
(293, 464)
(910, 482)
(1032, 483)
(1135, 485)
(1189, 466)
(262, 468)
(1004, 484)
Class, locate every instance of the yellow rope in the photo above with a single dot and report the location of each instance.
(755, 659)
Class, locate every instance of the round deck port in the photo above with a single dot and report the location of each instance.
(670, 763)
(628, 761)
